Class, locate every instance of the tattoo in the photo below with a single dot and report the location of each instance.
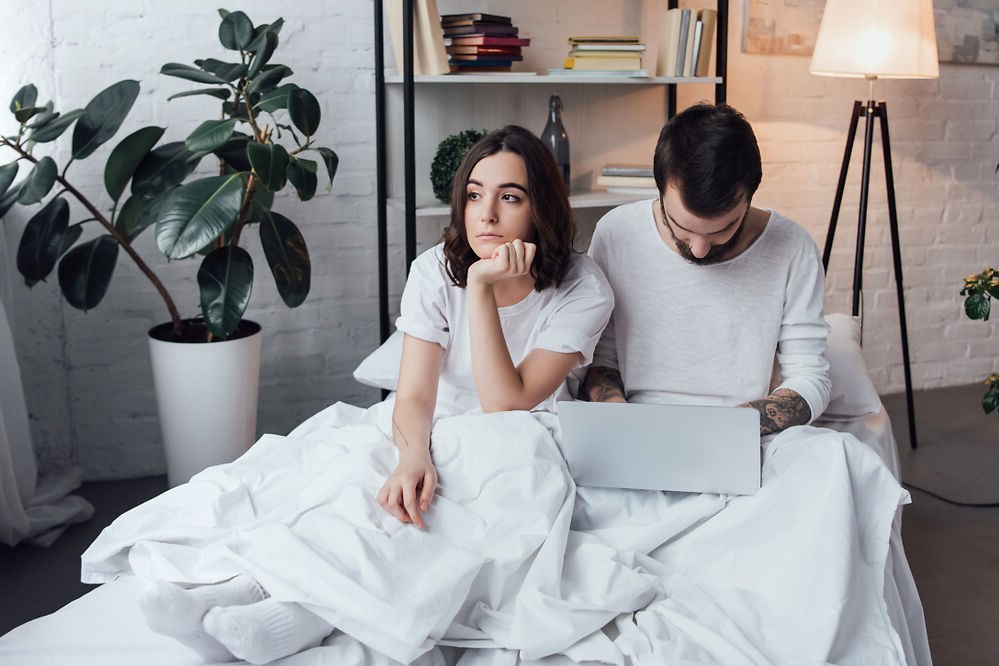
(396, 429)
(780, 410)
(602, 383)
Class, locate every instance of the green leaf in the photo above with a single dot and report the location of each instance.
(275, 99)
(164, 168)
(236, 31)
(126, 158)
(45, 115)
(331, 161)
(225, 280)
(189, 73)
(990, 401)
(137, 213)
(25, 98)
(220, 93)
(7, 174)
(287, 255)
(273, 27)
(263, 48)
(42, 241)
(270, 162)
(51, 131)
(27, 113)
(268, 79)
(73, 233)
(85, 272)
(302, 174)
(197, 213)
(976, 306)
(303, 107)
(39, 182)
(9, 198)
(102, 117)
(210, 135)
(228, 71)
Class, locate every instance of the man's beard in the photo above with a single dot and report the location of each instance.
(716, 254)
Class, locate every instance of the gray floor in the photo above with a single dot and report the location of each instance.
(953, 551)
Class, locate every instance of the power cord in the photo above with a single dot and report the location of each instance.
(978, 505)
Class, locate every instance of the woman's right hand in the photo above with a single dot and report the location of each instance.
(409, 489)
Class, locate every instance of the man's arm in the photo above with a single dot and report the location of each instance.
(780, 410)
(602, 384)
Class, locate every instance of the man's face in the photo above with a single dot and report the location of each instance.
(701, 240)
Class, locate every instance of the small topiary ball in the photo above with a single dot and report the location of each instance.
(450, 152)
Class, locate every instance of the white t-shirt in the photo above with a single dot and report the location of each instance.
(684, 333)
(568, 318)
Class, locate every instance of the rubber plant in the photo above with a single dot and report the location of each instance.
(153, 184)
(978, 291)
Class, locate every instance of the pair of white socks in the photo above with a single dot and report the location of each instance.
(231, 620)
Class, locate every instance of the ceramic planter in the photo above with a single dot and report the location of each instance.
(207, 398)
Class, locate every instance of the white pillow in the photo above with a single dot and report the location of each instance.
(381, 367)
(853, 393)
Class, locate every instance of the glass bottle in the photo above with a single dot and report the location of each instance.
(556, 138)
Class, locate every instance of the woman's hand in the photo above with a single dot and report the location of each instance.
(509, 260)
(408, 491)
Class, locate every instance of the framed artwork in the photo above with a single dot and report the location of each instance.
(967, 30)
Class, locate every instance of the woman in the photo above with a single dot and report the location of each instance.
(495, 317)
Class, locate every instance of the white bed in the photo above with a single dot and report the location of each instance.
(693, 618)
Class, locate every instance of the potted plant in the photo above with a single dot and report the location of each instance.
(978, 291)
(262, 141)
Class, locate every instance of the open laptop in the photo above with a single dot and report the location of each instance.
(662, 447)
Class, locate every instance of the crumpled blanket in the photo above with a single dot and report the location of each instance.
(517, 565)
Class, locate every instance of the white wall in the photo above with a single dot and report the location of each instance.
(87, 376)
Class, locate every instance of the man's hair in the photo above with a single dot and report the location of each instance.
(551, 214)
(709, 154)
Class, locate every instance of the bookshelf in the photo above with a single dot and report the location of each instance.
(464, 99)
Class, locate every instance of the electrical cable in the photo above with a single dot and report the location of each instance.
(977, 505)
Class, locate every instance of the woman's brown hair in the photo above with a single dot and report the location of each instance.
(551, 214)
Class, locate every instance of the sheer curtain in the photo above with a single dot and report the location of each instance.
(32, 510)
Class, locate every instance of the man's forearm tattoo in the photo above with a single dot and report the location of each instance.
(602, 383)
(780, 410)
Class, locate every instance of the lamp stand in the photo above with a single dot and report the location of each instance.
(869, 112)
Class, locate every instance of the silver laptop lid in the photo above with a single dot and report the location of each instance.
(662, 447)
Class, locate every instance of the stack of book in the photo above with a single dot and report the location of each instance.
(628, 179)
(479, 42)
(686, 42)
(609, 55)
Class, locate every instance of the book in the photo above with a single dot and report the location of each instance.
(473, 48)
(607, 46)
(506, 58)
(627, 181)
(583, 73)
(482, 29)
(626, 170)
(669, 43)
(486, 40)
(709, 19)
(607, 53)
(603, 63)
(464, 19)
(689, 55)
(599, 39)
(429, 56)
(479, 68)
(681, 49)
(691, 67)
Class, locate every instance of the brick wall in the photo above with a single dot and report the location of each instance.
(86, 375)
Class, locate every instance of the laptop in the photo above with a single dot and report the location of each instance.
(662, 447)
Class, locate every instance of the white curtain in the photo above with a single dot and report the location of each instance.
(32, 510)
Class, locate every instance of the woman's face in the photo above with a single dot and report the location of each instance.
(497, 205)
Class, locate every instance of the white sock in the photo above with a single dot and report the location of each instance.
(267, 630)
(177, 612)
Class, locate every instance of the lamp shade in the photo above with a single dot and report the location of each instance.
(885, 39)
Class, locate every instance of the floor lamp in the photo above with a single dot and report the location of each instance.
(875, 39)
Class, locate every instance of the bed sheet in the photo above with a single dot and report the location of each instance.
(105, 627)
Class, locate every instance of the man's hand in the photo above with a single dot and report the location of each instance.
(780, 410)
(408, 491)
(509, 260)
(602, 384)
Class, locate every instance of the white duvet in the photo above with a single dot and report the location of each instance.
(522, 566)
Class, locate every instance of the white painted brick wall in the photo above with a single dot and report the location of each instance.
(86, 375)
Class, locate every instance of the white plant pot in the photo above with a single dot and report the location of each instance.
(207, 399)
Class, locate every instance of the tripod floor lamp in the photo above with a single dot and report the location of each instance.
(875, 39)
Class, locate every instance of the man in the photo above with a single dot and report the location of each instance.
(708, 288)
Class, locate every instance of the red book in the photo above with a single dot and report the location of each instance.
(490, 29)
(512, 50)
(490, 41)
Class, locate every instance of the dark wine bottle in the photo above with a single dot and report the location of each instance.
(556, 138)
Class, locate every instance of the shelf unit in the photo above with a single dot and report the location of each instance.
(408, 204)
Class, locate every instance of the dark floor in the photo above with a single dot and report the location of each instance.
(953, 551)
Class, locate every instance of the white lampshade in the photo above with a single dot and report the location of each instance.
(884, 39)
